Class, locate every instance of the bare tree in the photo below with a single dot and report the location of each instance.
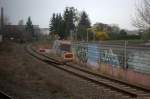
(142, 18)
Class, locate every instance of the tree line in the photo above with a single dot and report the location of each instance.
(76, 25)
(70, 24)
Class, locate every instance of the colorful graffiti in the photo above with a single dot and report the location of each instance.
(93, 55)
(90, 53)
(81, 53)
(108, 57)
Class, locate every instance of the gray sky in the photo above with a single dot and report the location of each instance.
(107, 11)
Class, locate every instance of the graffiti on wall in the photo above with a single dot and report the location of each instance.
(81, 53)
(90, 54)
(93, 54)
(108, 57)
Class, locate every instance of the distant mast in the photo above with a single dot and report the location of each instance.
(2, 24)
(2, 19)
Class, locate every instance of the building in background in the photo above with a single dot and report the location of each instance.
(18, 33)
(44, 31)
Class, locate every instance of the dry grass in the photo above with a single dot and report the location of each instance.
(23, 77)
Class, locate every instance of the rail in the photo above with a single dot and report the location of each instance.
(58, 64)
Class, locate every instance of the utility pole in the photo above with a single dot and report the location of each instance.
(71, 35)
(94, 36)
(125, 54)
(2, 24)
(87, 35)
(2, 19)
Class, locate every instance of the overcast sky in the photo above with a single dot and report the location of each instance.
(107, 11)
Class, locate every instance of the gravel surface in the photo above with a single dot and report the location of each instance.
(24, 77)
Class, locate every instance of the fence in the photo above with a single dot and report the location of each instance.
(125, 60)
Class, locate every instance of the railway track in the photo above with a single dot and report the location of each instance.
(125, 90)
(4, 96)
